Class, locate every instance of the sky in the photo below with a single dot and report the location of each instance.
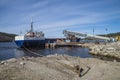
(54, 16)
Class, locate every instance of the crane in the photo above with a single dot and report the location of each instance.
(73, 36)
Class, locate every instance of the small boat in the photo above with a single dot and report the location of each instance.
(31, 39)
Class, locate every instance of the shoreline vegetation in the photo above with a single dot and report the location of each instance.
(6, 37)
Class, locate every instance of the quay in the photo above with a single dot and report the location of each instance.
(63, 44)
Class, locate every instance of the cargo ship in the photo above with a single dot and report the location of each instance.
(32, 39)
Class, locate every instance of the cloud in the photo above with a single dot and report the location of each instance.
(56, 15)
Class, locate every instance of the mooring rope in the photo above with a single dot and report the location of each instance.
(33, 52)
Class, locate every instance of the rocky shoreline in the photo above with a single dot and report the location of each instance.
(111, 50)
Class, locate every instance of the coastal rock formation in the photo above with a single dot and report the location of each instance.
(111, 49)
(108, 49)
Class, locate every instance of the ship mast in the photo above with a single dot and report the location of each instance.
(31, 26)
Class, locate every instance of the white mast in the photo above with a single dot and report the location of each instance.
(31, 25)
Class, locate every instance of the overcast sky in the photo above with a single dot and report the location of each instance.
(54, 16)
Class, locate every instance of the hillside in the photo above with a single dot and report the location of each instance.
(111, 34)
(6, 37)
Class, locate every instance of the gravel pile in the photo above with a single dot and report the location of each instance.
(58, 67)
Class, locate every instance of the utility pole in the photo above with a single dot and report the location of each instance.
(106, 30)
(93, 31)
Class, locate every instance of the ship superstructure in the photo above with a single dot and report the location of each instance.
(31, 39)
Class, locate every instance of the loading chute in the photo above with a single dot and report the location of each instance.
(74, 36)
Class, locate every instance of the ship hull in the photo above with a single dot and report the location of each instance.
(30, 43)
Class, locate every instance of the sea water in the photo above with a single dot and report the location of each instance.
(10, 50)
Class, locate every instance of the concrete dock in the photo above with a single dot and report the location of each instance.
(63, 44)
